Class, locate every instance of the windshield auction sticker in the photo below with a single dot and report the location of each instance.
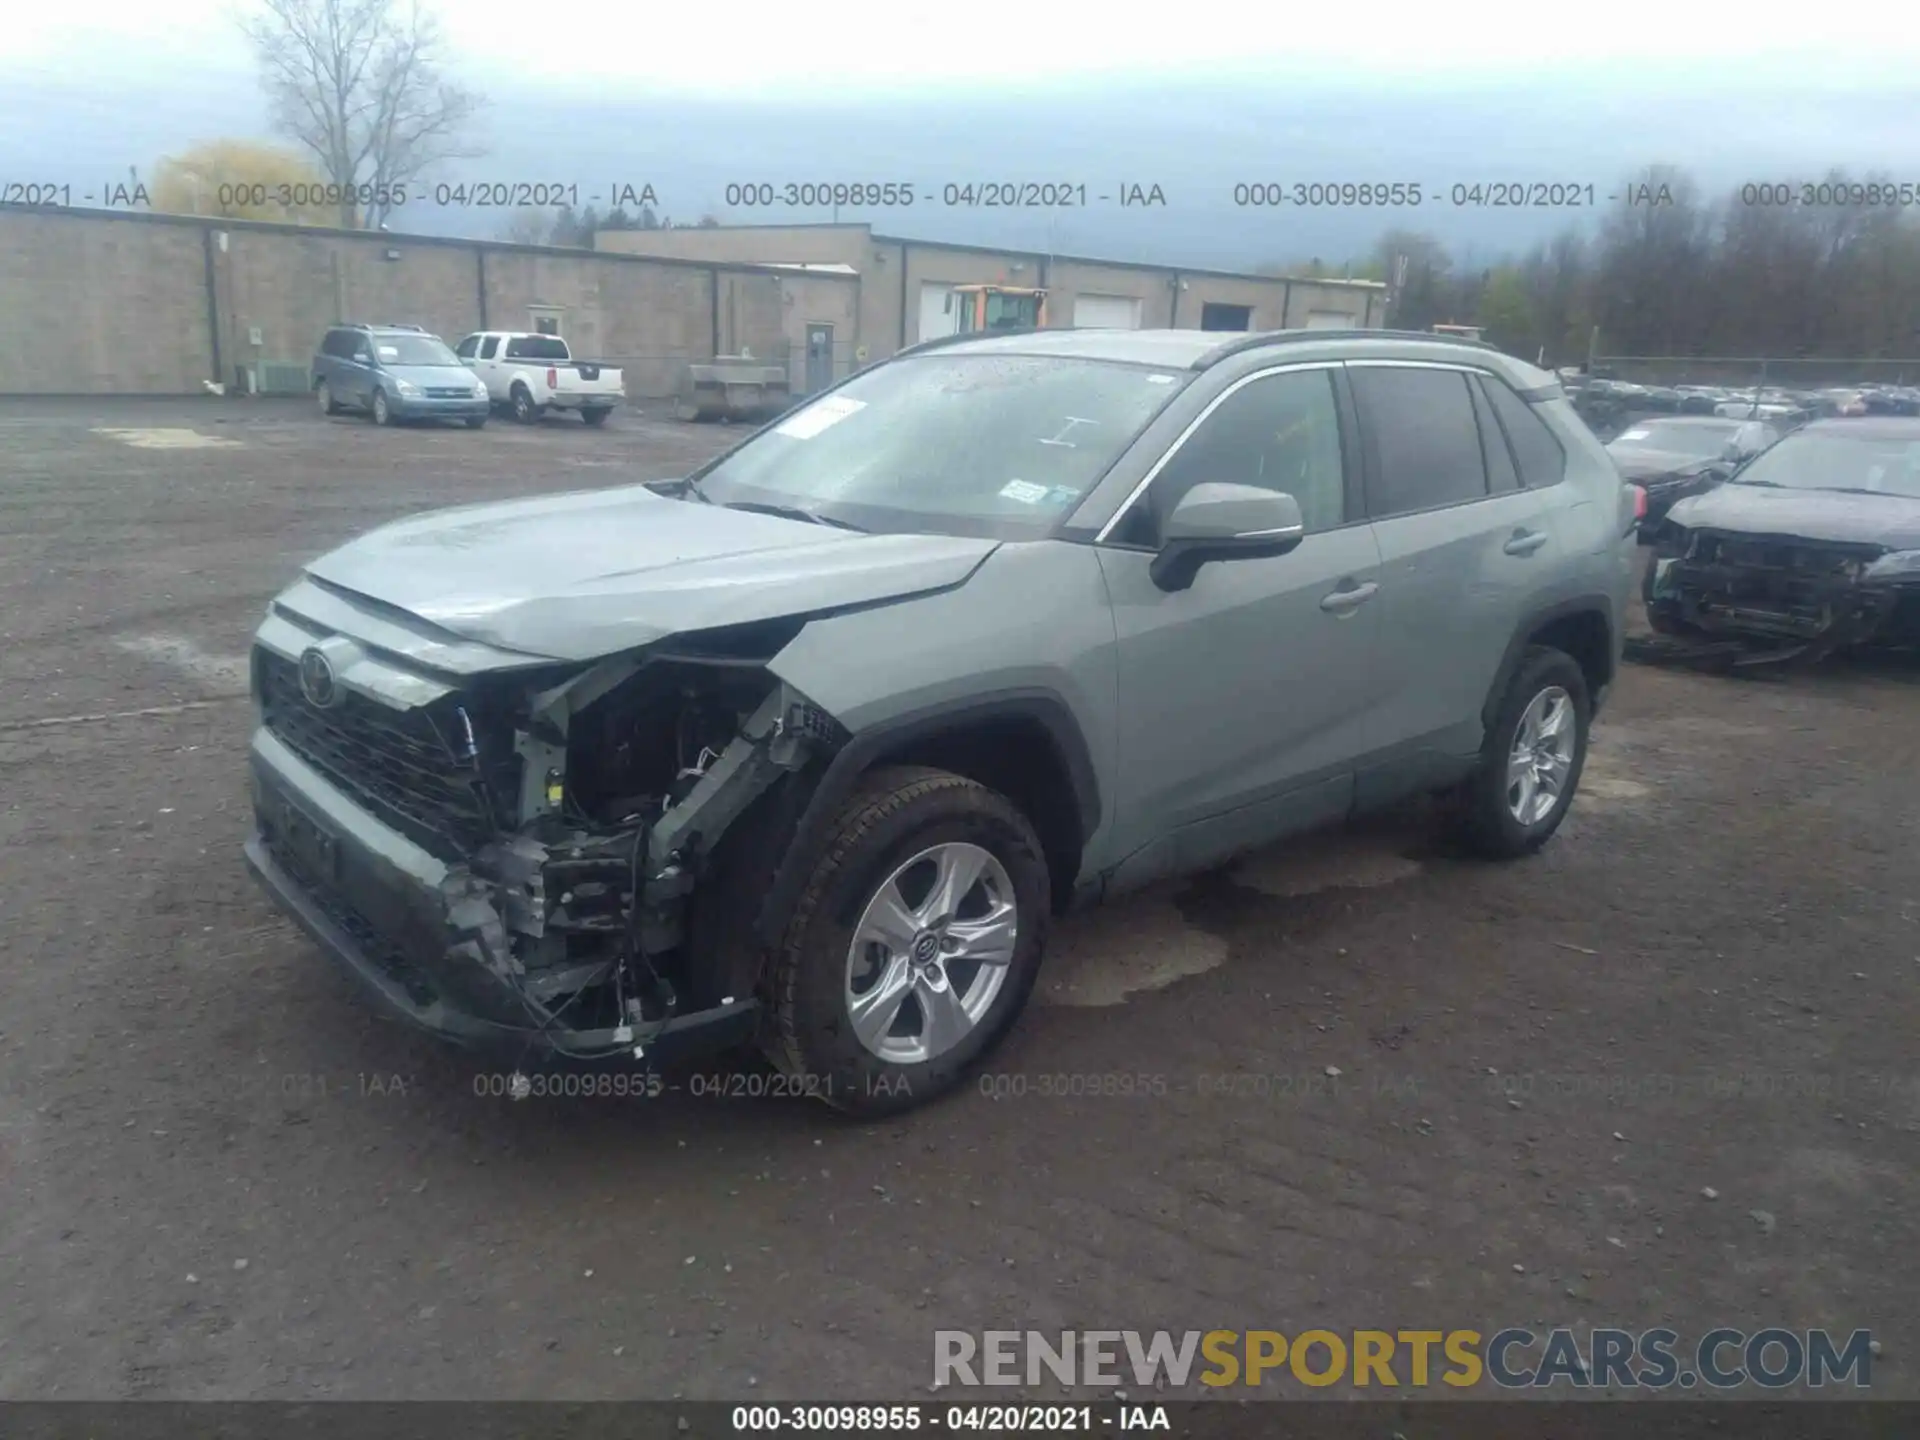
(816, 418)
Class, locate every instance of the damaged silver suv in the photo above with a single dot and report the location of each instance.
(804, 751)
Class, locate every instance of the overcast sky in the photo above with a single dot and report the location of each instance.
(1193, 97)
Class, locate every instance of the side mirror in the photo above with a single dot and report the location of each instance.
(364, 357)
(1224, 522)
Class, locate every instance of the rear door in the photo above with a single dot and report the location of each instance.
(1467, 551)
(1238, 695)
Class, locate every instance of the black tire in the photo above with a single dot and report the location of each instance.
(524, 410)
(596, 416)
(1483, 817)
(323, 394)
(475, 422)
(378, 410)
(895, 813)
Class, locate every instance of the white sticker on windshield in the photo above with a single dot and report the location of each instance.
(1025, 491)
(817, 417)
(1159, 379)
(389, 352)
(1634, 435)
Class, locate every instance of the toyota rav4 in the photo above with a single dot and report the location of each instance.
(806, 749)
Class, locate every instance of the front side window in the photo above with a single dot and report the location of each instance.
(1276, 432)
(981, 444)
(1426, 443)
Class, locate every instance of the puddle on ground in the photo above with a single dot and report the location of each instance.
(1143, 942)
(168, 439)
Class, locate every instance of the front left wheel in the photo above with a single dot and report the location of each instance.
(914, 944)
(381, 411)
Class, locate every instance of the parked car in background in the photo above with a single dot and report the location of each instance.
(395, 372)
(530, 374)
(1816, 543)
(805, 749)
(1699, 399)
(1672, 457)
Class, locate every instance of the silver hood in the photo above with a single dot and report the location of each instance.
(578, 576)
(1832, 515)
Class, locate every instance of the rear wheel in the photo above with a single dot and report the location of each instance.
(381, 411)
(323, 393)
(914, 944)
(596, 416)
(1531, 760)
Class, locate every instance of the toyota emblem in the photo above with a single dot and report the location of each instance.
(316, 679)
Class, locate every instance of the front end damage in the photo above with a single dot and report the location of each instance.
(1780, 597)
(510, 858)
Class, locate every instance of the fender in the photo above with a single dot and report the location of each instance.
(873, 745)
(1594, 603)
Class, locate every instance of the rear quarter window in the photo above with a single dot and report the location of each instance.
(1537, 450)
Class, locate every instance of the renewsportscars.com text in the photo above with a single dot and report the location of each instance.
(1722, 1359)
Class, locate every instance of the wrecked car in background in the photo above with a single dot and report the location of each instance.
(1813, 547)
(1672, 458)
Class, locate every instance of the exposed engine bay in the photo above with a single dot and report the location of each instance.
(575, 810)
(1807, 598)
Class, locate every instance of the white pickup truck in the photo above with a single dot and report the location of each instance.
(532, 374)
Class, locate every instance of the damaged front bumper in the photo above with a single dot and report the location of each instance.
(1811, 596)
(424, 940)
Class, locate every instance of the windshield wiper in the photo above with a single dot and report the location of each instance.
(792, 512)
(1860, 490)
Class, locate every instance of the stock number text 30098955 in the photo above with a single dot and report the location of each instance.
(1395, 194)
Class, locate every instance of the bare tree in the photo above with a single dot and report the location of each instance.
(358, 83)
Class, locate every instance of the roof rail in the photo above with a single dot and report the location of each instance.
(940, 342)
(1262, 338)
(391, 325)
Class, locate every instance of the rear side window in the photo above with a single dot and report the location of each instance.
(1543, 461)
(490, 347)
(1501, 475)
(536, 347)
(1423, 439)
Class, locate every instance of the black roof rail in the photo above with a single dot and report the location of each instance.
(1262, 338)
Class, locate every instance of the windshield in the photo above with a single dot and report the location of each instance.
(413, 350)
(1708, 442)
(993, 445)
(1880, 464)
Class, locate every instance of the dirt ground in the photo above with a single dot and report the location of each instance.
(1464, 1096)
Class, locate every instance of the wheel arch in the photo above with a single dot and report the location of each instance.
(1026, 744)
(1582, 627)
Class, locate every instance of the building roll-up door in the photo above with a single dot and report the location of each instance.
(1106, 312)
(935, 318)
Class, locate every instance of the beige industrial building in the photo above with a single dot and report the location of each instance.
(131, 303)
(904, 286)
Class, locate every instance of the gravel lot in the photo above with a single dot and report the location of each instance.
(1465, 1096)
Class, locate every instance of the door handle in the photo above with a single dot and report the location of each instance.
(1525, 542)
(1345, 602)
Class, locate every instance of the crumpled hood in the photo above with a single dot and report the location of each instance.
(1889, 520)
(578, 576)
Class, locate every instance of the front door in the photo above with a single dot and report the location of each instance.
(819, 358)
(1241, 695)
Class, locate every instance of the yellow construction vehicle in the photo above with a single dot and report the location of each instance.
(996, 307)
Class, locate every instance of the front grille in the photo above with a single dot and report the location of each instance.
(393, 763)
(447, 392)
